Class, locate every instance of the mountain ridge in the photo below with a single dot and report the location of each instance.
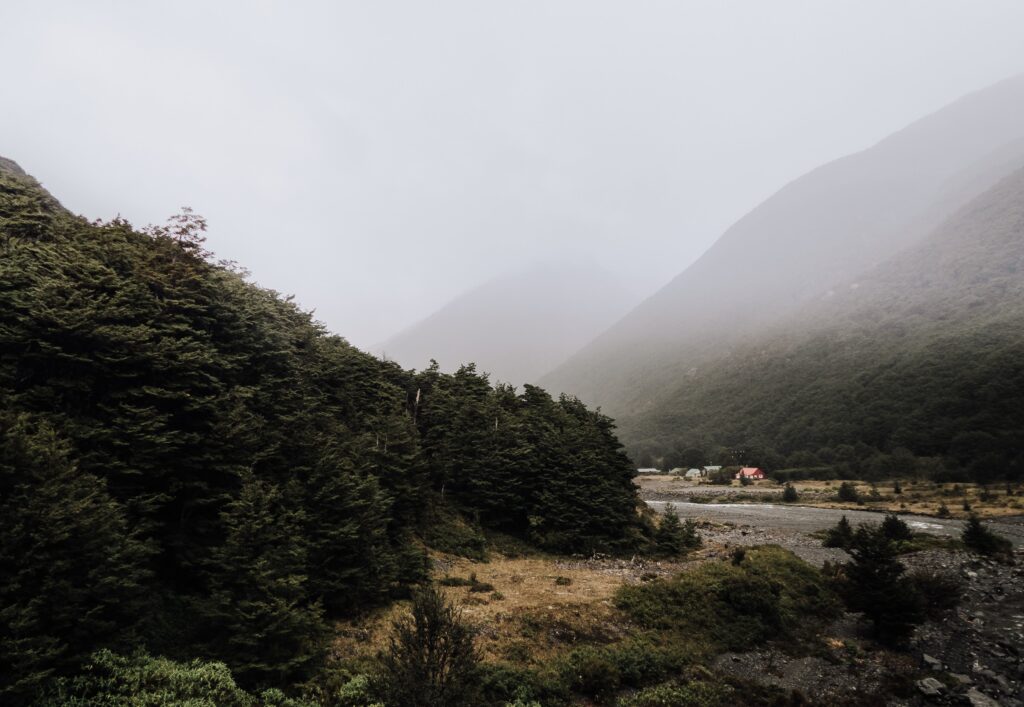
(821, 228)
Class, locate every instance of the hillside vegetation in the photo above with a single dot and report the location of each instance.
(917, 366)
(190, 465)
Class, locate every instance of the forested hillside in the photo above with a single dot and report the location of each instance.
(916, 366)
(191, 465)
(822, 229)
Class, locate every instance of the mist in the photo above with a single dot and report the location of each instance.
(377, 160)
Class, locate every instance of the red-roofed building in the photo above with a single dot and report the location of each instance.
(750, 472)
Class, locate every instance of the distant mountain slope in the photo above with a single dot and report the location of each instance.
(924, 353)
(819, 230)
(519, 326)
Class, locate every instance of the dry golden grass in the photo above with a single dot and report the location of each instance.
(921, 497)
(529, 617)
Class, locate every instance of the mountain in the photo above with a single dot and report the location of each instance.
(820, 230)
(920, 357)
(519, 326)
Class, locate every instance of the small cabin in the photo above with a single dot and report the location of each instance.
(694, 474)
(648, 470)
(709, 470)
(750, 472)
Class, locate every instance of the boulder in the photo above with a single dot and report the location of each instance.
(977, 698)
(930, 687)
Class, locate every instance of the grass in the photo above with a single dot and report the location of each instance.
(562, 631)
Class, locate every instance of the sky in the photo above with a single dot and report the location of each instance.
(376, 159)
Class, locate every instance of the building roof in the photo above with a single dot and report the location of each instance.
(751, 471)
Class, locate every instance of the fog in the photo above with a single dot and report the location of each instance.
(379, 159)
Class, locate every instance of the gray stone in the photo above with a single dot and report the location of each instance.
(961, 678)
(930, 687)
(976, 698)
(932, 662)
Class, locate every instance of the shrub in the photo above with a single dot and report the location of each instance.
(455, 582)
(940, 591)
(789, 494)
(724, 606)
(895, 529)
(673, 537)
(839, 535)
(697, 692)
(943, 511)
(450, 533)
(590, 672)
(847, 493)
(563, 581)
(111, 679)
(983, 541)
(477, 586)
(897, 488)
(875, 585)
(431, 658)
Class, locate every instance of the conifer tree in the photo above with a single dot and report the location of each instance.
(876, 586)
(267, 629)
(74, 576)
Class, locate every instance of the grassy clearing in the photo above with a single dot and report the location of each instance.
(562, 631)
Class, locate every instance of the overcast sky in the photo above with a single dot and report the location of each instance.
(377, 158)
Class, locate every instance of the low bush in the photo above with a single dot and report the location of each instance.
(451, 533)
(724, 605)
(940, 591)
(848, 493)
(839, 535)
(673, 537)
(895, 529)
(112, 679)
(983, 541)
(697, 692)
(789, 494)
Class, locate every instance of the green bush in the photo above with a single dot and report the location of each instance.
(840, 535)
(452, 534)
(895, 529)
(848, 493)
(789, 494)
(112, 679)
(592, 673)
(983, 541)
(691, 694)
(875, 585)
(940, 591)
(431, 658)
(673, 537)
(723, 606)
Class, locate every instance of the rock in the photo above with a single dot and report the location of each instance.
(930, 687)
(932, 662)
(976, 698)
(961, 678)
